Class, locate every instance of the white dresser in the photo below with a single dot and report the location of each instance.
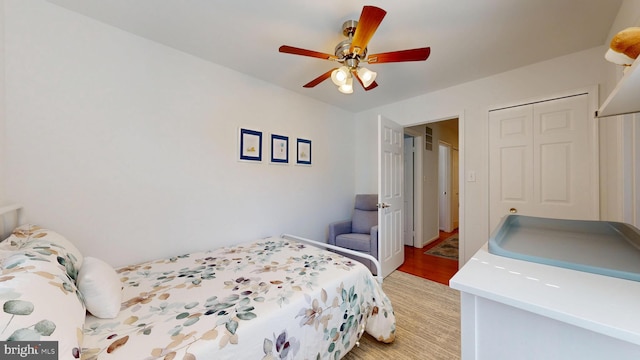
(514, 309)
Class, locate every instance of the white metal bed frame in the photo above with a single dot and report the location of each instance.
(343, 250)
(12, 216)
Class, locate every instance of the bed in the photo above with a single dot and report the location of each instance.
(273, 298)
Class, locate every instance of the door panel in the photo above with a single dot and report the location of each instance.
(562, 161)
(390, 193)
(555, 173)
(510, 164)
(409, 191)
(513, 174)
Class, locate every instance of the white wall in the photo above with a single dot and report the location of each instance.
(471, 101)
(129, 148)
(610, 133)
(2, 107)
(631, 169)
(619, 174)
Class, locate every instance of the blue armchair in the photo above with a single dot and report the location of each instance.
(361, 232)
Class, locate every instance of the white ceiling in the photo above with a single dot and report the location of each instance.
(469, 39)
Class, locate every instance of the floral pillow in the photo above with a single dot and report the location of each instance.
(38, 294)
(45, 242)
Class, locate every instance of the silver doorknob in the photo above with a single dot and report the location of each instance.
(513, 210)
(382, 205)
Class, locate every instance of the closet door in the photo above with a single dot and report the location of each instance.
(510, 162)
(542, 161)
(562, 160)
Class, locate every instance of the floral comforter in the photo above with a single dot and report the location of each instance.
(269, 299)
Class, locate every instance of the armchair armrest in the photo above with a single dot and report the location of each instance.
(374, 241)
(338, 228)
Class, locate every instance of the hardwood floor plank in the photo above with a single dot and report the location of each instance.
(429, 267)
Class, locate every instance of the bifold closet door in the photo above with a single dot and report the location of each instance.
(541, 160)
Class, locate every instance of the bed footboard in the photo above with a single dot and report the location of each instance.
(340, 249)
(11, 216)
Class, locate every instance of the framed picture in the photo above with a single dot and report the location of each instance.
(279, 149)
(304, 152)
(250, 145)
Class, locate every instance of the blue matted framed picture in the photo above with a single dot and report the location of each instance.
(279, 149)
(250, 145)
(304, 152)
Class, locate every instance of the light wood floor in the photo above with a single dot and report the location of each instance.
(427, 322)
(429, 267)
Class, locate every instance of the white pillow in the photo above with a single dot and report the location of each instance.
(100, 286)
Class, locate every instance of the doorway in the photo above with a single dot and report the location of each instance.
(426, 220)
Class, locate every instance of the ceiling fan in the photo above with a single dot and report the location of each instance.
(353, 51)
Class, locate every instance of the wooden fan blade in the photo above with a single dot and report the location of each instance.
(370, 19)
(304, 52)
(319, 79)
(420, 54)
(373, 85)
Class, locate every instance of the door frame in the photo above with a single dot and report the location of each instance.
(409, 188)
(455, 190)
(462, 231)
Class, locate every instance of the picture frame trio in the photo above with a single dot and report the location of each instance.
(250, 148)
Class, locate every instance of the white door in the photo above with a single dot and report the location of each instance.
(510, 162)
(444, 187)
(542, 161)
(390, 195)
(455, 189)
(408, 191)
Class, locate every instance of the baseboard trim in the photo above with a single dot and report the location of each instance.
(430, 241)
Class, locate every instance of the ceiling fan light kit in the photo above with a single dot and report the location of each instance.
(347, 87)
(367, 76)
(351, 52)
(340, 75)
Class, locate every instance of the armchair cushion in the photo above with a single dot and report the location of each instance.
(363, 221)
(338, 228)
(365, 213)
(374, 241)
(358, 242)
(367, 202)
